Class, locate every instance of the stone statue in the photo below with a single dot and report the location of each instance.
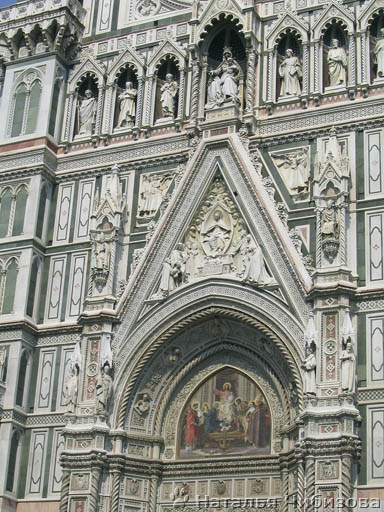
(253, 263)
(104, 388)
(101, 252)
(378, 53)
(329, 222)
(224, 84)
(87, 113)
(173, 274)
(296, 166)
(127, 101)
(348, 368)
(290, 71)
(337, 64)
(169, 91)
(309, 368)
(216, 232)
(142, 406)
(71, 390)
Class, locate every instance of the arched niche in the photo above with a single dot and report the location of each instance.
(221, 36)
(335, 74)
(227, 414)
(167, 89)
(38, 41)
(376, 46)
(289, 41)
(86, 108)
(126, 98)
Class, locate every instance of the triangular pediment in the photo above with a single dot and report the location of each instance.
(242, 203)
(88, 67)
(168, 47)
(128, 56)
(214, 9)
(334, 10)
(288, 21)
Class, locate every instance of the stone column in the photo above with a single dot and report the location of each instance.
(109, 110)
(115, 470)
(64, 497)
(195, 90)
(68, 130)
(352, 61)
(99, 113)
(180, 109)
(203, 88)
(250, 83)
(94, 493)
(306, 69)
(139, 104)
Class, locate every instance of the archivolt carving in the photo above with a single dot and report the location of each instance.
(142, 361)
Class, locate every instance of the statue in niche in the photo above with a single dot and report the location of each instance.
(290, 71)
(309, 368)
(224, 83)
(216, 231)
(104, 388)
(337, 64)
(71, 390)
(152, 190)
(329, 221)
(296, 167)
(87, 108)
(378, 53)
(173, 274)
(127, 102)
(348, 368)
(169, 91)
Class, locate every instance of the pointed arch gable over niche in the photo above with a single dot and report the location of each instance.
(128, 57)
(168, 47)
(286, 22)
(88, 68)
(333, 11)
(213, 14)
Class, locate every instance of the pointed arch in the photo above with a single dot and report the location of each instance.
(20, 206)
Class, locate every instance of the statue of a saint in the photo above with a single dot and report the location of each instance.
(142, 406)
(348, 368)
(337, 64)
(216, 233)
(215, 94)
(223, 86)
(104, 387)
(87, 113)
(71, 390)
(378, 53)
(253, 263)
(101, 252)
(127, 101)
(309, 368)
(173, 274)
(169, 91)
(329, 223)
(290, 71)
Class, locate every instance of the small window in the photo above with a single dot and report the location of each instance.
(21, 202)
(26, 109)
(5, 212)
(10, 288)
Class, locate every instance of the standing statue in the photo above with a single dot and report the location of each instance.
(253, 263)
(348, 368)
(329, 223)
(101, 252)
(309, 368)
(378, 53)
(173, 274)
(337, 64)
(169, 91)
(87, 113)
(127, 101)
(290, 71)
(224, 84)
(104, 389)
(71, 391)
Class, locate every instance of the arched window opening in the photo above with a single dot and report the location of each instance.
(41, 213)
(10, 288)
(85, 119)
(376, 32)
(5, 212)
(22, 377)
(335, 63)
(54, 107)
(227, 415)
(36, 37)
(19, 109)
(167, 90)
(126, 99)
(13, 459)
(18, 221)
(32, 299)
(289, 66)
(20, 44)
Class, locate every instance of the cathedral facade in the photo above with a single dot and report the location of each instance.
(191, 255)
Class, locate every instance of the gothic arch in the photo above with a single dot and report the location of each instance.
(288, 23)
(334, 12)
(127, 58)
(167, 49)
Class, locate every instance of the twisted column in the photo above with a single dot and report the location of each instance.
(203, 88)
(305, 68)
(269, 75)
(68, 117)
(147, 113)
(316, 66)
(180, 107)
(251, 80)
(153, 494)
(363, 46)
(94, 494)
(310, 483)
(195, 90)
(108, 119)
(99, 114)
(115, 494)
(318, 238)
(346, 471)
(64, 496)
(352, 60)
(139, 106)
(300, 485)
(342, 249)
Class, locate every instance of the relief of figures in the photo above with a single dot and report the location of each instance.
(223, 86)
(337, 64)
(87, 108)
(228, 414)
(153, 188)
(127, 103)
(291, 72)
(294, 167)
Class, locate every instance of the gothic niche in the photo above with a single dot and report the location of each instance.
(86, 107)
(226, 69)
(217, 242)
(126, 99)
(227, 415)
(102, 239)
(167, 90)
(335, 61)
(289, 66)
(376, 31)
